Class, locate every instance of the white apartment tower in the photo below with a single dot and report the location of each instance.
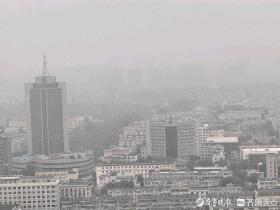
(173, 137)
(188, 137)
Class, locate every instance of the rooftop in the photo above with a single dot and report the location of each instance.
(222, 140)
(51, 157)
(260, 150)
(138, 163)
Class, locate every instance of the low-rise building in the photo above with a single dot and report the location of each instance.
(118, 154)
(255, 173)
(269, 197)
(84, 162)
(186, 179)
(17, 134)
(268, 183)
(212, 152)
(64, 176)
(153, 198)
(272, 161)
(230, 146)
(115, 178)
(249, 152)
(19, 146)
(228, 189)
(131, 169)
(30, 192)
(76, 190)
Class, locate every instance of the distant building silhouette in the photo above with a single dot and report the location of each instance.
(46, 104)
(5, 154)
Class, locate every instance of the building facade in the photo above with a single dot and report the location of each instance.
(30, 192)
(5, 155)
(76, 190)
(272, 165)
(173, 137)
(130, 169)
(187, 179)
(83, 162)
(46, 112)
(187, 138)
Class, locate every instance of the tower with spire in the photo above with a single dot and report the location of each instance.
(45, 70)
(46, 114)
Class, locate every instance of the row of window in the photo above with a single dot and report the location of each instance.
(135, 167)
(34, 202)
(25, 181)
(28, 192)
(77, 194)
(29, 187)
(39, 206)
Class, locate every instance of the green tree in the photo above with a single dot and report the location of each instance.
(253, 179)
(225, 181)
(140, 180)
(204, 163)
(28, 171)
(194, 158)
(190, 164)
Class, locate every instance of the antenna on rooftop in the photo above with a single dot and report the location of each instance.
(45, 70)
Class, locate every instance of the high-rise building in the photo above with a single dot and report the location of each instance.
(5, 155)
(134, 134)
(187, 138)
(173, 137)
(157, 138)
(46, 104)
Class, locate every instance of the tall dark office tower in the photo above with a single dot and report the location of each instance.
(171, 141)
(46, 110)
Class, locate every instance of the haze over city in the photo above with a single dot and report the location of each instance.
(84, 36)
(140, 105)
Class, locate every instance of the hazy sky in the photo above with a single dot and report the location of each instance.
(134, 32)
